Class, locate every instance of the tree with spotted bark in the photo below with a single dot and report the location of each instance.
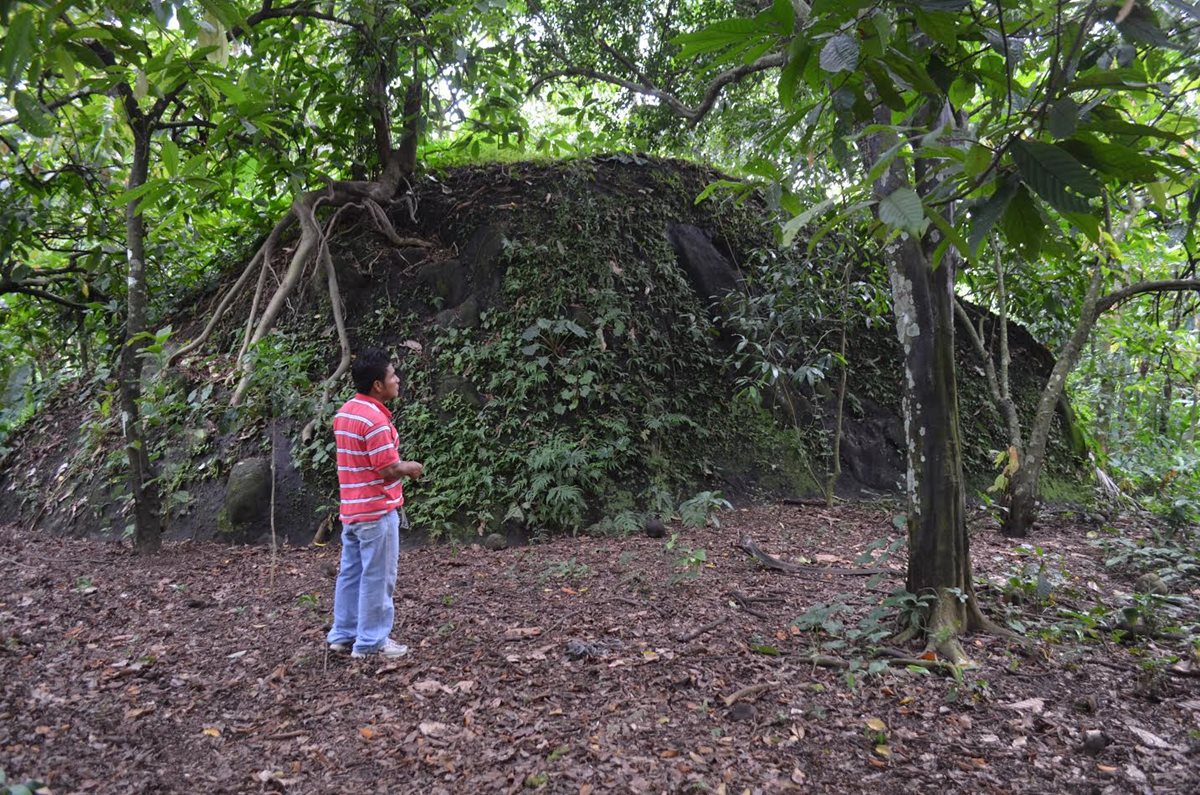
(946, 121)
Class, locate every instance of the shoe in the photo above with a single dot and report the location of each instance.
(389, 650)
(341, 646)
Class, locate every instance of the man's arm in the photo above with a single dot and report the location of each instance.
(402, 469)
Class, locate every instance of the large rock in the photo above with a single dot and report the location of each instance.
(248, 491)
(711, 273)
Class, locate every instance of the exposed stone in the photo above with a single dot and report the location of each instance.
(495, 542)
(712, 275)
(1150, 583)
(248, 491)
(446, 280)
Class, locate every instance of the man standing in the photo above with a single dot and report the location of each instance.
(372, 500)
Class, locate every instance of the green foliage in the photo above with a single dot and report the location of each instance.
(702, 510)
(28, 787)
(1176, 560)
(571, 570)
(689, 563)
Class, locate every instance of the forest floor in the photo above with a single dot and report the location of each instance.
(587, 665)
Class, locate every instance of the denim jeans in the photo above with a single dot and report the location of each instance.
(362, 600)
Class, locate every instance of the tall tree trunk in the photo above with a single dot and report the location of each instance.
(147, 512)
(939, 560)
(1023, 490)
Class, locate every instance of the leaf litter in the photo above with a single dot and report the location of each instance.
(204, 669)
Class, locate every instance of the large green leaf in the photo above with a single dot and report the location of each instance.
(1062, 118)
(31, 116)
(840, 54)
(1118, 127)
(884, 85)
(1023, 225)
(1115, 160)
(939, 26)
(1128, 77)
(985, 213)
(18, 48)
(902, 209)
(1055, 175)
(719, 36)
(799, 52)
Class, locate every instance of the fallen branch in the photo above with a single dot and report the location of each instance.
(747, 545)
(744, 602)
(702, 630)
(749, 692)
(942, 666)
(810, 502)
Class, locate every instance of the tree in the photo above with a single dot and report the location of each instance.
(1018, 113)
(311, 106)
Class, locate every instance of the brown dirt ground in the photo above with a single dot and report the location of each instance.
(562, 667)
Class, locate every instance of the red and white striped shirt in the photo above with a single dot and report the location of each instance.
(367, 443)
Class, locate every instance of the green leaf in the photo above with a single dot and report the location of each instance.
(142, 191)
(1062, 118)
(979, 157)
(763, 648)
(1055, 175)
(719, 36)
(985, 213)
(799, 52)
(961, 90)
(785, 14)
(1023, 225)
(30, 115)
(18, 48)
(939, 26)
(902, 209)
(1127, 77)
(950, 234)
(1121, 162)
(1086, 223)
(792, 227)
(840, 54)
(714, 186)
(884, 85)
(170, 156)
(1117, 127)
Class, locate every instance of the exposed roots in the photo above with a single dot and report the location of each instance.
(950, 618)
(312, 247)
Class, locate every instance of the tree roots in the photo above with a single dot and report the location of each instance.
(312, 247)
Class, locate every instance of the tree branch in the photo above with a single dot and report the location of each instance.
(9, 286)
(55, 105)
(1161, 286)
(290, 12)
(692, 114)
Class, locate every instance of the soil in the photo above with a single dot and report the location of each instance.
(580, 665)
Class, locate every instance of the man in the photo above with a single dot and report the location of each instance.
(372, 500)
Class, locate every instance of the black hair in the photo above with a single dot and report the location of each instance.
(369, 366)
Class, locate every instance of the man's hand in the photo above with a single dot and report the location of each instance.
(402, 469)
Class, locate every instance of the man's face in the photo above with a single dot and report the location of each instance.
(389, 387)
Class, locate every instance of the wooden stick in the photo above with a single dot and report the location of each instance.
(702, 630)
(748, 692)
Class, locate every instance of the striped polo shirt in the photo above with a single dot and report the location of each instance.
(367, 442)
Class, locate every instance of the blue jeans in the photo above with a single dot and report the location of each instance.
(362, 600)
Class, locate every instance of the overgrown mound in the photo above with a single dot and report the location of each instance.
(565, 368)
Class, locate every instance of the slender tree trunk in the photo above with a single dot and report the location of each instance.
(147, 513)
(939, 560)
(1022, 495)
